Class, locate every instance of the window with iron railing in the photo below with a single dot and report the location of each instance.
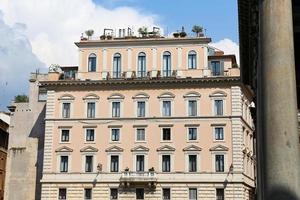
(167, 70)
(117, 71)
(141, 72)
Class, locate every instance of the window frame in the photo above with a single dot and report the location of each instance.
(195, 56)
(188, 133)
(111, 135)
(192, 188)
(162, 135)
(89, 67)
(137, 108)
(136, 134)
(66, 192)
(60, 164)
(112, 109)
(84, 193)
(61, 134)
(170, 193)
(214, 133)
(117, 74)
(87, 109)
(136, 194)
(141, 73)
(110, 163)
(168, 69)
(86, 134)
(110, 193)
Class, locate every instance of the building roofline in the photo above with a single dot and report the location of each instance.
(230, 56)
(150, 41)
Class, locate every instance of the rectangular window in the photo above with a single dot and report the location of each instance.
(166, 163)
(219, 163)
(192, 133)
(62, 194)
(91, 107)
(192, 163)
(217, 68)
(64, 163)
(140, 134)
(66, 110)
(220, 194)
(140, 162)
(192, 108)
(219, 133)
(139, 193)
(166, 106)
(115, 134)
(193, 194)
(116, 109)
(192, 61)
(166, 193)
(113, 193)
(218, 107)
(90, 135)
(65, 135)
(87, 194)
(88, 163)
(166, 134)
(42, 96)
(141, 108)
(114, 164)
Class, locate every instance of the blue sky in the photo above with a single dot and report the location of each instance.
(218, 17)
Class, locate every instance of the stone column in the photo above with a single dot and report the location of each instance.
(278, 143)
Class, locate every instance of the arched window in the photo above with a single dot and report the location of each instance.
(92, 62)
(167, 71)
(192, 60)
(141, 72)
(117, 66)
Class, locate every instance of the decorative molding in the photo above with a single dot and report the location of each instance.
(192, 148)
(192, 95)
(141, 95)
(89, 149)
(64, 149)
(91, 96)
(218, 93)
(114, 149)
(116, 96)
(191, 125)
(165, 125)
(166, 148)
(219, 148)
(139, 148)
(66, 97)
(166, 95)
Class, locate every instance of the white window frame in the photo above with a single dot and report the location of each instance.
(218, 96)
(62, 188)
(187, 134)
(197, 59)
(83, 159)
(110, 191)
(197, 190)
(143, 153)
(161, 135)
(85, 134)
(214, 153)
(171, 154)
(60, 135)
(71, 108)
(136, 131)
(162, 193)
(91, 193)
(109, 154)
(167, 97)
(58, 160)
(110, 135)
(214, 126)
(187, 161)
(192, 96)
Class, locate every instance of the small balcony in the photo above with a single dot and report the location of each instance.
(131, 178)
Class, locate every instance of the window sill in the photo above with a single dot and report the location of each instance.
(140, 142)
(221, 141)
(114, 142)
(93, 142)
(169, 141)
(64, 142)
(192, 141)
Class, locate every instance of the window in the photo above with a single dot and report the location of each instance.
(91, 109)
(140, 134)
(193, 194)
(92, 63)
(192, 133)
(166, 134)
(192, 59)
(219, 163)
(116, 109)
(140, 161)
(219, 133)
(117, 66)
(88, 163)
(64, 163)
(65, 136)
(87, 194)
(42, 96)
(66, 110)
(218, 107)
(166, 108)
(167, 64)
(192, 108)
(220, 194)
(141, 65)
(113, 193)
(62, 194)
(166, 163)
(217, 68)
(141, 108)
(90, 135)
(139, 193)
(166, 194)
(114, 163)
(192, 163)
(115, 134)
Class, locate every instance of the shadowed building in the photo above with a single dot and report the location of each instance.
(4, 124)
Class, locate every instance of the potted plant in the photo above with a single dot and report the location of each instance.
(109, 37)
(176, 35)
(126, 169)
(143, 31)
(182, 33)
(102, 37)
(198, 30)
(151, 169)
(89, 33)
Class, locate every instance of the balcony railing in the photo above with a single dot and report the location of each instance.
(138, 177)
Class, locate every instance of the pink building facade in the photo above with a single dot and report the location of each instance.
(162, 118)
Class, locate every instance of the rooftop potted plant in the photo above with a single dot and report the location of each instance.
(176, 35)
(102, 37)
(182, 33)
(109, 37)
(198, 30)
(89, 33)
(143, 31)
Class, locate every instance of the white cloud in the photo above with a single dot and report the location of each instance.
(229, 47)
(17, 62)
(54, 25)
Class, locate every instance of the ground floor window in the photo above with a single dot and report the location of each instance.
(140, 193)
(166, 194)
(62, 194)
(87, 194)
(220, 194)
(192, 193)
(113, 193)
